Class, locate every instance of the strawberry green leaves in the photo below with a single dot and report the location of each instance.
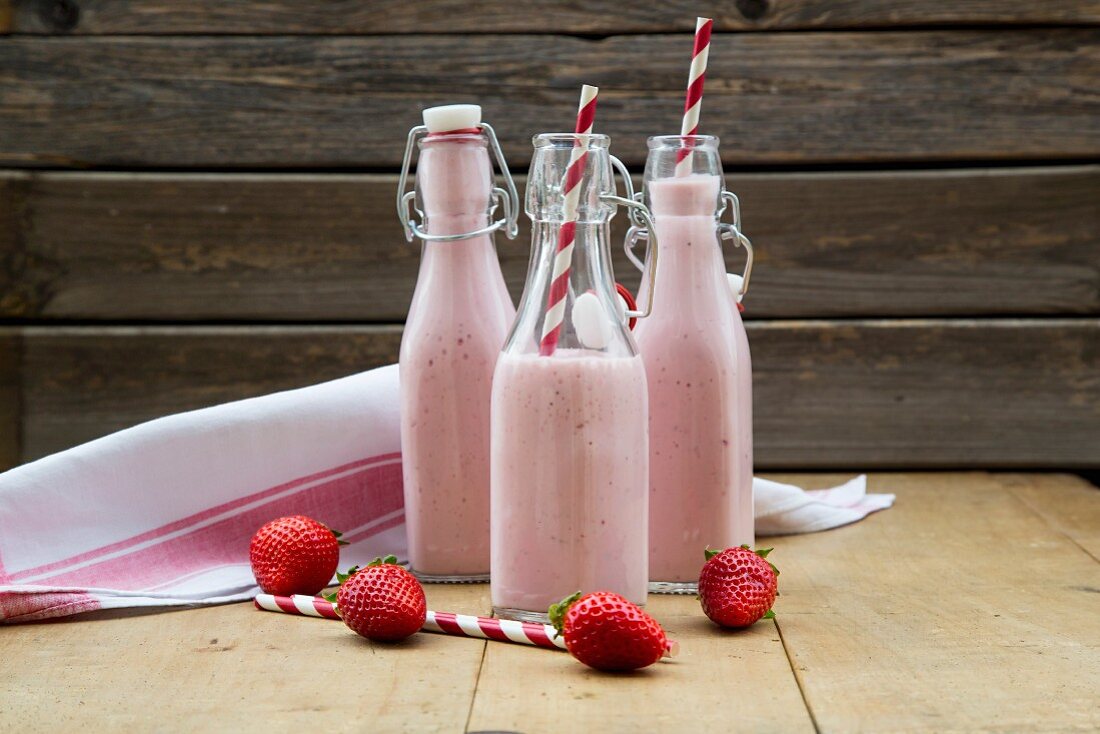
(557, 611)
(340, 579)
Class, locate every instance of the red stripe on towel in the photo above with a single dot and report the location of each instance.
(350, 501)
(20, 607)
(197, 518)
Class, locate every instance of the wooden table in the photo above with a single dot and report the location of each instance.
(973, 604)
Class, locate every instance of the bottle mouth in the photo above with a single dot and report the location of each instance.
(682, 141)
(569, 140)
(462, 136)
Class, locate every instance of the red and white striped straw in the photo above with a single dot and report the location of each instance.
(446, 623)
(563, 258)
(307, 606)
(491, 628)
(461, 625)
(694, 100)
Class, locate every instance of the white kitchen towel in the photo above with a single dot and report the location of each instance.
(161, 514)
(784, 509)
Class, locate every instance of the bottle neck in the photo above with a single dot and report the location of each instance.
(590, 276)
(569, 303)
(686, 221)
(454, 184)
(590, 261)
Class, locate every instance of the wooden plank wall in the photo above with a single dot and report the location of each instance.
(196, 202)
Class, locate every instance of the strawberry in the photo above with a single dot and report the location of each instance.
(605, 631)
(294, 555)
(382, 601)
(737, 586)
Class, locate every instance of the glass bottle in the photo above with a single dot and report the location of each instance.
(457, 322)
(570, 424)
(697, 362)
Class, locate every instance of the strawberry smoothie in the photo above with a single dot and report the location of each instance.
(568, 514)
(458, 320)
(700, 390)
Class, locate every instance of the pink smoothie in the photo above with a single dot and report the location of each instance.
(457, 323)
(700, 388)
(569, 514)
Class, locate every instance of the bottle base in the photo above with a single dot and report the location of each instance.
(520, 615)
(673, 587)
(435, 578)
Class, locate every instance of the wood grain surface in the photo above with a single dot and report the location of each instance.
(11, 402)
(267, 247)
(914, 393)
(961, 608)
(525, 16)
(12, 260)
(747, 680)
(236, 668)
(937, 614)
(1076, 515)
(347, 102)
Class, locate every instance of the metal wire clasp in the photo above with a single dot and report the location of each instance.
(732, 231)
(506, 199)
(726, 231)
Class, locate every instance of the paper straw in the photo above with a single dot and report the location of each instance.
(491, 628)
(694, 100)
(445, 623)
(563, 258)
(307, 606)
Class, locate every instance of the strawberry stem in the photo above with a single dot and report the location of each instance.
(557, 611)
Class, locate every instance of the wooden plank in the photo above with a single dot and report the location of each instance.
(11, 403)
(707, 688)
(552, 16)
(915, 393)
(775, 98)
(926, 393)
(198, 247)
(1076, 514)
(133, 374)
(13, 268)
(236, 668)
(958, 610)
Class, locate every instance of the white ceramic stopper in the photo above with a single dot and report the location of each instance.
(450, 117)
(590, 320)
(736, 281)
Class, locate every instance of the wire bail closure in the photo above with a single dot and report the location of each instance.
(508, 199)
(727, 231)
(732, 232)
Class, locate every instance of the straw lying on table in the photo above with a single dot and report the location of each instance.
(446, 623)
(307, 606)
(461, 625)
(571, 190)
(694, 100)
